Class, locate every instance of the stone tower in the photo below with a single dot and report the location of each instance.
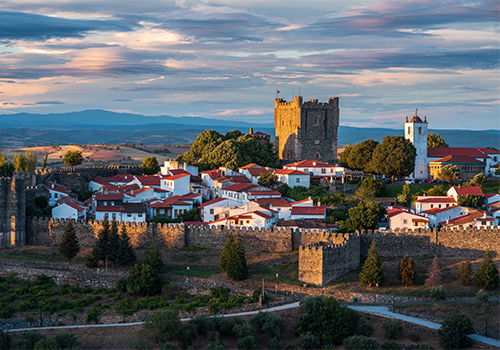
(306, 130)
(12, 212)
(416, 133)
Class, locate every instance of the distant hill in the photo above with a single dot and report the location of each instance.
(99, 126)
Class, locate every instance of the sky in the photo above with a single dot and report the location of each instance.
(226, 59)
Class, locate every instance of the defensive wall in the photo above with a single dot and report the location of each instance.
(12, 212)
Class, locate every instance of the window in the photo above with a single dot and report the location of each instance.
(105, 203)
(211, 211)
(439, 205)
(113, 216)
(409, 130)
(447, 205)
(432, 206)
(420, 130)
(405, 221)
(129, 215)
(323, 171)
(316, 123)
(55, 195)
(317, 155)
(112, 203)
(297, 180)
(140, 215)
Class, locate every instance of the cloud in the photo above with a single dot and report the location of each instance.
(122, 100)
(30, 26)
(50, 103)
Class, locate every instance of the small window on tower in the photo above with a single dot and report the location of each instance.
(316, 121)
(420, 131)
(409, 130)
(317, 155)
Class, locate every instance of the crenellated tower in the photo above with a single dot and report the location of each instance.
(416, 133)
(12, 212)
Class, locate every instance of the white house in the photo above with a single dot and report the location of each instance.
(437, 215)
(491, 198)
(208, 178)
(308, 202)
(149, 193)
(314, 167)
(294, 178)
(169, 208)
(457, 191)
(281, 205)
(423, 203)
(315, 212)
(252, 219)
(56, 192)
(177, 184)
(147, 181)
(97, 185)
(397, 218)
(132, 212)
(210, 210)
(119, 180)
(170, 165)
(69, 210)
(253, 172)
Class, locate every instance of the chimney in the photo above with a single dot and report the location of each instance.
(53, 185)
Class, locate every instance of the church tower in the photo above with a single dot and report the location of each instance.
(416, 133)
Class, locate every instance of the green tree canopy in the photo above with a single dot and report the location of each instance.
(449, 173)
(150, 166)
(24, 162)
(437, 190)
(6, 168)
(70, 244)
(478, 180)
(125, 254)
(72, 159)
(453, 331)
(233, 259)
(487, 275)
(395, 156)
(372, 273)
(344, 156)
(375, 185)
(267, 179)
(360, 155)
(407, 272)
(364, 216)
(435, 140)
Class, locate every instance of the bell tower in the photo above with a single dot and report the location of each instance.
(416, 133)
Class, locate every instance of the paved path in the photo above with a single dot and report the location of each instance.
(377, 310)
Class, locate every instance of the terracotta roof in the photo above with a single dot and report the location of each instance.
(267, 193)
(102, 182)
(394, 212)
(214, 174)
(178, 171)
(275, 202)
(312, 210)
(488, 150)
(436, 200)
(302, 201)
(149, 180)
(190, 196)
(160, 205)
(309, 163)
(119, 178)
(471, 190)
(238, 178)
(291, 172)
(435, 152)
(213, 201)
(239, 187)
(490, 194)
(258, 171)
(56, 190)
(462, 219)
(175, 177)
(128, 188)
(262, 215)
(416, 119)
(74, 206)
(251, 165)
(55, 186)
(109, 208)
(435, 211)
(175, 201)
(108, 197)
(456, 158)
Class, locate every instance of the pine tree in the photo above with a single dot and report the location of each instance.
(372, 273)
(70, 245)
(407, 272)
(487, 276)
(464, 272)
(102, 249)
(433, 276)
(226, 252)
(126, 254)
(114, 242)
(237, 268)
(153, 259)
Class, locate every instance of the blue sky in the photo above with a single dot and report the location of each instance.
(226, 59)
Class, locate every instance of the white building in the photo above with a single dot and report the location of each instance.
(423, 203)
(397, 218)
(169, 165)
(416, 133)
(177, 184)
(315, 212)
(294, 178)
(69, 210)
(437, 215)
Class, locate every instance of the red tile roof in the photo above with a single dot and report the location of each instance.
(471, 190)
(436, 200)
(160, 205)
(435, 152)
(239, 187)
(119, 178)
(490, 194)
(435, 211)
(74, 206)
(236, 178)
(262, 215)
(456, 159)
(417, 218)
(213, 201)
(251, 165)
(275, 202)
(175, 177)
(291, 172)
(178, 171)
(309, 163)
(267, 193)
(258, 171)
(109, 208)
(214, 174)
(312, 210)
(108, 197)
(149, 180)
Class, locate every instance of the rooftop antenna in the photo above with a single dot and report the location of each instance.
(416, 110)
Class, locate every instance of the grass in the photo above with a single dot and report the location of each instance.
(491, 187)
(36, 257)
(287, 273)
(201, 271)
(393, 191)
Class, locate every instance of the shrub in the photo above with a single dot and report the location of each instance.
(188, 334)
(243, 330)
(487, 275)
(46, 344)
(7, 312)
(31, 338)
(392, 329)
(256, 295)
(144, 280)
(407, 272)
(45, 281)
(438, 293)
(481, 295)
(5, 340)
(273, 326)
(121, 285)
(464, 272)
(168, 346)
(153, 259)
(415, 337)
(391, 345)
(424, 346)
(93, 315)
(361, 342)
(309, 341)
(247, 342)
(364, 327)
(275, 343)
(162, 326)
(453, 331)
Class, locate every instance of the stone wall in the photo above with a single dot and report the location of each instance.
(12, 212)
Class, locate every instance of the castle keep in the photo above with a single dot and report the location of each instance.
(306, 130)
(12, 212)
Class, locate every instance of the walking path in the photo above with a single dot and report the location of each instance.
(377, 310)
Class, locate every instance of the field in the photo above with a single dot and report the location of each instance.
(393, 191)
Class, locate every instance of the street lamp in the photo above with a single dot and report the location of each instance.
(277, 283)
(188, 271)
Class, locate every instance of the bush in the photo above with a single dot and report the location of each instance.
(415, 337)
(453, 331)
(44, 280)
(188, 334)
(481, 295)
(391, 345)
(162, 326)
(487, 275)
(5, 340)
(407, 272)
(392, 329)
(424, 346)
(243, 330)
(372, 273)
(247, 342)
(31, 338)
(144, 280)
(361, 342)
(464, 272)
(309, 341)
(273, 326)
(66, 340)
(168, 346)
(438, 293)
(46, 344)
(121, 285)
(275, 343)
(364, 327)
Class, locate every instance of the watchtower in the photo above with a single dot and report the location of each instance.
(416, 133)
(306, 130)
(12, 212)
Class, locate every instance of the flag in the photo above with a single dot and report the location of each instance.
(277, 91)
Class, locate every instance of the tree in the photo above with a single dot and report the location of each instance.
(395, 156)
(360, 155)
(44, 164)
(226, 251)
(449, 173)
(18, 162)
(153, 259)
(464, 272)
(72, 159)
(191, 215)
(404, 197)
(6, 168)
(487, 275)
(372, 273)
(470, 201)
(125, 254)
(162, 326)
(30, 161)
(143, 280)
(437, 190)
(377, 186)
(435, 140)
(267, 179)
(434, 275)
(407, 272)
(70, 244)
(150, 166)
(103, 249)
(478, 180)
(326, 320)
(233, 259)
(497, 171)
(344, 156)
(114, 242)
(365, 216)
(453, 332)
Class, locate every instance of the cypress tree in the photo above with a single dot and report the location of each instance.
(103, 251)
(372, 273)
(464, 272)
(487, 276)
(153, 259)
(237, 268)
(407, 272)
(226, 252)
(70, 245)
(433, 277)
(126, 254)
(114, 242)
